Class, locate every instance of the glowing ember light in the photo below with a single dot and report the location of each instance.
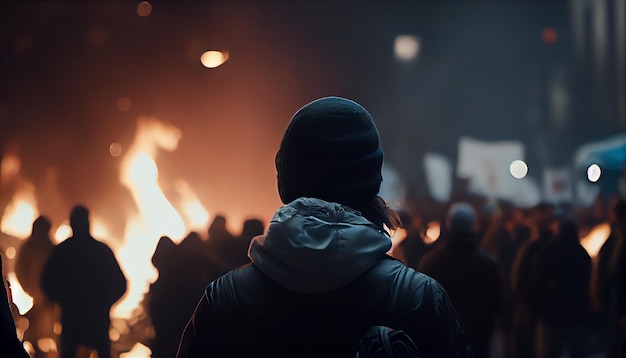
(114, 335)
(398, 236)
(432, 232)
(596, 237)
(115, 149)
(21, 299)
(196, 215)
(20, 213)
(212, 59)
(62, 232)
(10, 252)
(47, 345)
(98, 228)
(57, 328)
(9, 167)
(124, 104)
(144, 8)
(593, 173)
(406, 47)
(29, 348)
(518, 169)
(138, 351)
(157, 217)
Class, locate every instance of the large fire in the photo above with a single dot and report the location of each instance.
(155, 216)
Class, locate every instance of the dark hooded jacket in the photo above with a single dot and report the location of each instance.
(318, 279)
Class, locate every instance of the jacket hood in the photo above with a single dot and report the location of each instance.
(314, 246)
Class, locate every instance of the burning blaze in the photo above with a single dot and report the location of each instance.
(596, 237)
(21, 299)
(156, 216)
(196, 215)
(20, 213)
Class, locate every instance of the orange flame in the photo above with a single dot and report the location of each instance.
(20, 213)
(21, 299)
(156, 215)
(596, 237)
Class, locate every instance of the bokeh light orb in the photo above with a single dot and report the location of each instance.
(10, 252)
(212, 59)
(518, 169)
(406, 47)
(593, 173)
(124, 104)
(144, 8)
(115, 149)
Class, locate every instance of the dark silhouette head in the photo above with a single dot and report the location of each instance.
(331, 151)
(41, 227)
(461, 218)
(218, 226)
(79, 220)
(568, 229)
(252, 228)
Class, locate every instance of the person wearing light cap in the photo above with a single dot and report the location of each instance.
(320, 276)
(469, 274)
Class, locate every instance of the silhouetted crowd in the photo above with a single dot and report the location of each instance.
(496, 281)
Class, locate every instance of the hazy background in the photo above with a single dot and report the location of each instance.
(547, 73)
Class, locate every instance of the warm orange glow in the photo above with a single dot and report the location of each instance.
(196, 215)
(432, 232)
(115, 149)
(138, 351)
(62, 232)
(9, 167)
(212, 59)
(47, 345)
(156, 215)
(124, 104)
(596, 237)
(144, 9)
(21, 299)
(398, 236)
(10, 252)
(20, 213)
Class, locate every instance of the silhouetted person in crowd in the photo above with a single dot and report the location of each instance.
(250, 229)
(10, 345)
(524, 277)
(320, 277)
(611, 277)
(82, 275)
(563, 283)
(184, 271)
(469, 274)
(161, 298)
(29, 263)
(219, 245)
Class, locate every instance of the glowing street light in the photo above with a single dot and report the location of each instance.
(593, 173)
(212, 59)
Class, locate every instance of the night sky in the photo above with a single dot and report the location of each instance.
(65, 66)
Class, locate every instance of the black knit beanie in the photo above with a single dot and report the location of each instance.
(331, 151)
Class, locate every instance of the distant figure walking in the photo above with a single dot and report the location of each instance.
(29, 264)
(470, 275)
(564, 276)
(83, 276)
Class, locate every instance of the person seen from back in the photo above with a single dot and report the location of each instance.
(29, 263)
(320, 276)
(470, 275)
(84, 278)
